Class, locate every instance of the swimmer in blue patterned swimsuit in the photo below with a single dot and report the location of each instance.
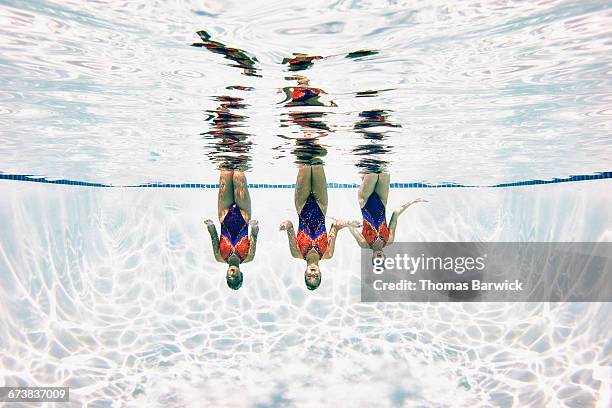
(236, 245)
(375, 233)
(312, 242)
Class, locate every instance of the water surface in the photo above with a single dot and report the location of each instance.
(114, 292)
(479, 93)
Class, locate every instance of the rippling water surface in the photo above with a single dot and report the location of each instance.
(477, 91)
(114, 293)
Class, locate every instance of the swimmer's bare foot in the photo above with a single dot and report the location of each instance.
(409, 203)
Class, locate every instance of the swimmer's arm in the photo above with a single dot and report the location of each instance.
(215, 240)
(252, 240)
(395, 216)
(288, 226)
(354, 229)
(331, 240)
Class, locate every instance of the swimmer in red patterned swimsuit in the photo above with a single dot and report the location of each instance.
(236, 245)
(312, 242)
(375, 233)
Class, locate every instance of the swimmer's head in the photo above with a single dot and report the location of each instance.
(234, 277)
(376, 255)
(312, 276)
(377, 245)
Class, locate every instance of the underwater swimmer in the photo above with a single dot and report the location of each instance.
(375, 233)
(236, 245)
(312, 242)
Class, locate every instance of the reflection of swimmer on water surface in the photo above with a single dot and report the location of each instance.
(240, 57)
(235, 246)
(306, 147)
(229, 146)
(303, 94)
(300, 62)
(371, 153)
(374, 118)
(222, 117)
(308, 121)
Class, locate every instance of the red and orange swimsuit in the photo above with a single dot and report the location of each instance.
(374, 220)
(311, 231)
(234, 235)
(303, 93)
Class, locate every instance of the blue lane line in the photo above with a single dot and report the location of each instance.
(34, 179)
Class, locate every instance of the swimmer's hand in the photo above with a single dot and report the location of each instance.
(285, 225)
(254, 224)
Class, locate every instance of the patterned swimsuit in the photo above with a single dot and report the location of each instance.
(302, 94)
(311, 231)
(374, 220)
(234, 235)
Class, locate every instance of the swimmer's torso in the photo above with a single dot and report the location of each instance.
(311, 231)
(374, 221)
(234, 235)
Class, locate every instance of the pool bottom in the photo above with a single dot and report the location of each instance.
(115, 294)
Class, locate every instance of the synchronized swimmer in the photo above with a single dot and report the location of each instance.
(236, 245)
(312, 242)
(375, 233)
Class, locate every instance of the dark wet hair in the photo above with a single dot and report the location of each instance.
(234, 282)
(377, 254)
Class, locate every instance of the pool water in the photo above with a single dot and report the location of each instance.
(114, 292)
(484, 92)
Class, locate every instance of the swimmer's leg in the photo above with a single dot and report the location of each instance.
(303, 187)
(319, 187)
(367, 187)
(382, 187)
(226, 193)
(241, 194)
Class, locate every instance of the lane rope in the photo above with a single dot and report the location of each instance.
(35, 179)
